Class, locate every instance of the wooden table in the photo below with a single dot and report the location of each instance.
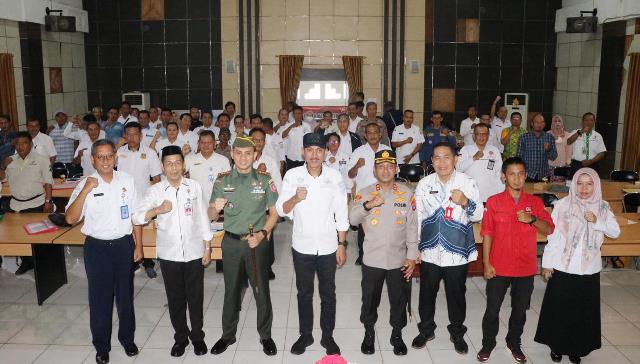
(49, 262)
(612, 192)
(59, 189)
(75, 237)
(627, 244)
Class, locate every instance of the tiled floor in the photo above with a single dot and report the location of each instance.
(58, 331)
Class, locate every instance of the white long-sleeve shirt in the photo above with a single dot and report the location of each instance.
(273, 168)
(205, 170)
(182, 231)
(552, 257)
(365, 175)
(466, 130)
(486, 171)
(318, 218)
(73, 132)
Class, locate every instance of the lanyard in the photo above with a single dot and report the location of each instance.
(586, 145)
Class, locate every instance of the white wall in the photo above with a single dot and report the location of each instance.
(34, 11)
(608, 10)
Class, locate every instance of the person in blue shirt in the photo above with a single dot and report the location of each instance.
(112, 128)
(537, 148)
(435, 133)
(6, 138)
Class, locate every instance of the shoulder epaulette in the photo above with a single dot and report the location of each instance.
(264, 173)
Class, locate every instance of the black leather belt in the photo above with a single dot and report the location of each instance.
(29, 199)
(236, 236)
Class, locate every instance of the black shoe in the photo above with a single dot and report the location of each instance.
(460, 345)
(151, 273)
(178, 349)
(269, 347)
(222, 345)
(517, 353)
(368, 343)
(574, 359)
(102, 358)
(359, 261)
(556, 357)
(24, 268)
(300, 346)
(483, 355)
(272, 275)
(199, 348)
(399, 347)
(420, 341)
(131, 349)
(330, 345)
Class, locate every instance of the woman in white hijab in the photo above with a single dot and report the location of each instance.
(570, 315)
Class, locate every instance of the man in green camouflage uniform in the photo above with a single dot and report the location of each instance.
(245, 194)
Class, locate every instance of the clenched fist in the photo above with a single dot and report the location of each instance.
(91, 183)
(375, 202)
(219, 203)
(458, 197)
(164, 207)
(301, 193)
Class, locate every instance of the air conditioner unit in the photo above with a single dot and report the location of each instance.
(140, 100)
(517, 102)
(582, 24)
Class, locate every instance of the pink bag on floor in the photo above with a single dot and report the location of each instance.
(332, 359)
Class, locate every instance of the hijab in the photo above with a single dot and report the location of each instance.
(572, 223)
(557, 127)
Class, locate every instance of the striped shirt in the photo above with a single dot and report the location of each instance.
(64, 146)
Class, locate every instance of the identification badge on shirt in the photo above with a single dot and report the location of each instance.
(143, 156)
(124, 212)
(448, 213)
(188, 208)
(491, 164)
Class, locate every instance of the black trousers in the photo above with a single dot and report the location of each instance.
(306, 267)
(360, 241)
(372, 281)
(521, 289)
(455, 286)
(184, 284)
(293, 164)
(25, 259)
(109, 267)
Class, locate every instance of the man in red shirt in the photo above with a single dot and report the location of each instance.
(510, 225)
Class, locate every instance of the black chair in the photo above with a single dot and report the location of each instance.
(58, 169)
(562, 172)
(624, 176)
(411, 172)
(631, 201)
(547, 198)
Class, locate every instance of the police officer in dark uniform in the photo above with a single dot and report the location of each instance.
(245, 194)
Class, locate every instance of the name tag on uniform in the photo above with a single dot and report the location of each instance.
(491, 164)
(143, 156)
(433, 192)
(124, 212)
(98, 194)
(188, 208)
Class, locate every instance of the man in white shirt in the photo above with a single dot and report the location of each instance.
(266, 163)
(361, 169)
(172, 139)
(207, 124)
(407, 139)
(154, 117)
(292, 135)
(106, 200)
(204, 166)
(313, 197)
(183, 247)
(42, 143)
(143, 165)
(499, 120)
(283, 119)
(349, 141)
(63, 145)
(494, 139)
(483, 163)
(354, 117)
(125, 113)
(275, 141)
(82, 154)
(337, 159)
(588, 145)
(466, 130)
(186, 136)
(148, 132)
(75, 131)
(447, 202)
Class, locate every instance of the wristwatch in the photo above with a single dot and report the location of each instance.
(579, 132)
(266, 235)
(343, 243)
(533, 220)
